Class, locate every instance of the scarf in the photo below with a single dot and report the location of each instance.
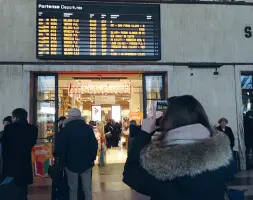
(66, 121)
(186, 134)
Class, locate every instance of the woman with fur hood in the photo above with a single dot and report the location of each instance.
(186, 160)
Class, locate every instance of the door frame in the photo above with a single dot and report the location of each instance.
(33, 92)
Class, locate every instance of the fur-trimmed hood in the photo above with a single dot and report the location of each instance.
(167, 162)
(66, 121)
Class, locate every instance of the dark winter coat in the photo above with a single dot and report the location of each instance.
(18, 141)
(1, 157)
(133, 132)
(109, 128)
(76, 145)
(228, 131)
(196, 171)
(1, 134)
(248, 131)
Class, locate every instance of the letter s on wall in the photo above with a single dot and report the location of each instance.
(248, 32)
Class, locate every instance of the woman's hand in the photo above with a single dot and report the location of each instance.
(149, 125)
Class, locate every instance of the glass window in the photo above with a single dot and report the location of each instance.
(246, 82)
(154, 89)
(46, 113)
(247, 100)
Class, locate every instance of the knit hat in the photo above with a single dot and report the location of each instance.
(74, 113)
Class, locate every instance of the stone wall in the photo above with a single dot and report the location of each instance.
(13, 94)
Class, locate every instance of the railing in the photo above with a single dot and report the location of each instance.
(45, 140)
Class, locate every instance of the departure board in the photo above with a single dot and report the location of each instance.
(98, 31)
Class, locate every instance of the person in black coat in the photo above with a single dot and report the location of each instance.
(227, 130)
(109, 134)
(117, 132)
(186, 160)
(18, 141)
(76, 148)
(248, 136)
(6, 121)
(134, 130)
(60, 122)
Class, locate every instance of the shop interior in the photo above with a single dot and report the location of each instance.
(100, 97)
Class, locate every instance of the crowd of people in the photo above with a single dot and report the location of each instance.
(113, 131)
(17, 141)
(178, 156)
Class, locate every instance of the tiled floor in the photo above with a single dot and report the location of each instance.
(107, 185)
(116, 155)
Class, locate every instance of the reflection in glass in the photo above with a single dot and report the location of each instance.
(246, 82)
(154, 90)
(46, 88)
(154, 87)
(149, 104)
(247, 100)
(46, 106)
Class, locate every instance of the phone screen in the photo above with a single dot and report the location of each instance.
(161, 106)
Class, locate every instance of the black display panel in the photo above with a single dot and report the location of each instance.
(98, 31)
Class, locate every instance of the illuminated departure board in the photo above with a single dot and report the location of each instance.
(98, 31)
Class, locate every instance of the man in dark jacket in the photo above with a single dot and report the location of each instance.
(7, 120)
(18, 141)
(76, 147)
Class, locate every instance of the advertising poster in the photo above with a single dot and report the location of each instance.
(42, 155)
(96, 114)
(116, 113)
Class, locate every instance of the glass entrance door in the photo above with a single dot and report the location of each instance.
(153, 89)
(46, 105)
(247, 92)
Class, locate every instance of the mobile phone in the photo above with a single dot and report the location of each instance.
(161, 107)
